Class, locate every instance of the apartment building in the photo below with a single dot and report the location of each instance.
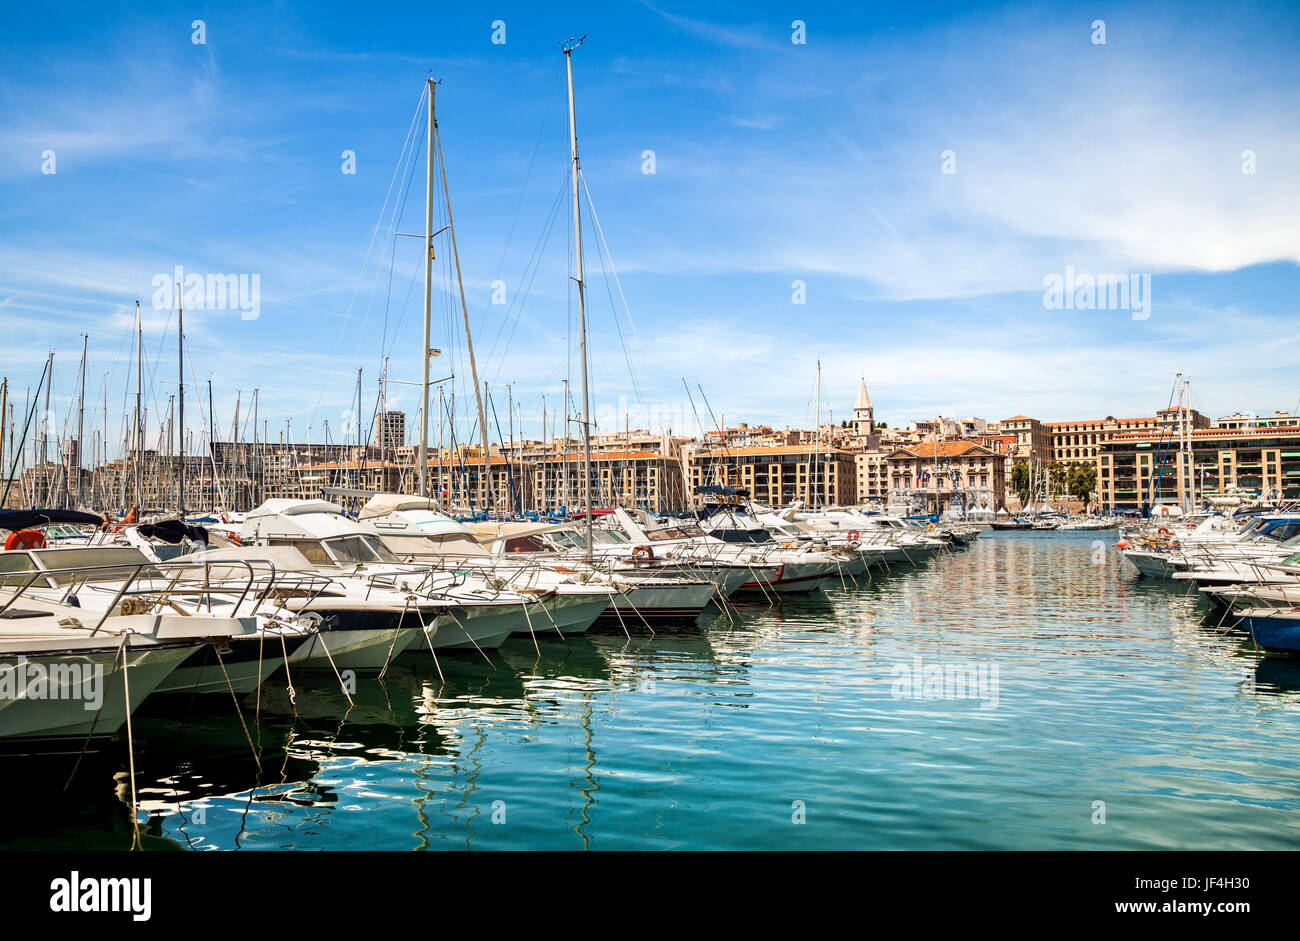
(1139, 468)
(779, 475)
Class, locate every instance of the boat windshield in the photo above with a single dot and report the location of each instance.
(347, 550)
(526, 544)
(91, 558)
(310, 548)
(741, 535)
(15, 562)
(659, 535)
(1282, 531)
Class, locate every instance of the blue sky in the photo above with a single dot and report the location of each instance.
(775, 162)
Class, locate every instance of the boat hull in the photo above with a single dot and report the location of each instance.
(63, 712)
(1273, 632)
(247, 663)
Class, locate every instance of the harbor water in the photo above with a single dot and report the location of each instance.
(1026, 693)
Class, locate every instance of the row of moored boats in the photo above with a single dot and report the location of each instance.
(1247, 565)
(96, 617)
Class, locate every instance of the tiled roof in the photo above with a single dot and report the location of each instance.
(943, 449)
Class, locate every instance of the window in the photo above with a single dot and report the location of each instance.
(526, 544)
(311, 548)
(16, 562)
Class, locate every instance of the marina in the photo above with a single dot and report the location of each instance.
(1096, 686)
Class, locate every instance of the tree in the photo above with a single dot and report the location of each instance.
(1082, 480)
(1058, 476)
(1020, 481)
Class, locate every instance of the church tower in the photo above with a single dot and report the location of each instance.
(864, 415)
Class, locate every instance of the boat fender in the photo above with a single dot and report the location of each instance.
(1122, 544)
(25, 539)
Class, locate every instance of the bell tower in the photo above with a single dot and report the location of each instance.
(864, 415)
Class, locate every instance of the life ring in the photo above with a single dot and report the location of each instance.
(25, 539)
(932, 526)
(854, 535)
(648, 552)
(1163, 531)
(788, 545)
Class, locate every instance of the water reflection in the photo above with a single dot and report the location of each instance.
(703, 738)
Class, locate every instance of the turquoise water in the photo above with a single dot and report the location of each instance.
(771, 728)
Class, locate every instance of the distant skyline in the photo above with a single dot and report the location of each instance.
(916, 177)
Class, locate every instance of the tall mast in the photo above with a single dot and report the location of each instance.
(423, 460)
(464, 309)
(180, 397)
(441, 486)
(817, 434)
(253, 464)
(81, 416)
(103, 441)
(383, 427)
(232, 454)
(46, 481)
(4, 408)
(546, 457)
(212, 452)
(582, 288)
(361, 461)
(139, 404)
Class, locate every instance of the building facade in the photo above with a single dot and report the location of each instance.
(944, 475)
(1137, 469)
(778, 476)
(1033, 439)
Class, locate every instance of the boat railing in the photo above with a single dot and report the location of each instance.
(133, 573)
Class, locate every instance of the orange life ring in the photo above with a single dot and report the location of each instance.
(854, 535)
(1163, 531)
(648, 552)
(25, 539)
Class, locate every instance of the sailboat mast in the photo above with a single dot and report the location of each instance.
(4, 408)
(252, 470)
(47, 479)
(139, 398)
(81, 416)
(817, 433)
(180, 398)
(423, 461)
(464, 309)
(582, 288)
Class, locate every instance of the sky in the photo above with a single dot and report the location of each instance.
(771, 193)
